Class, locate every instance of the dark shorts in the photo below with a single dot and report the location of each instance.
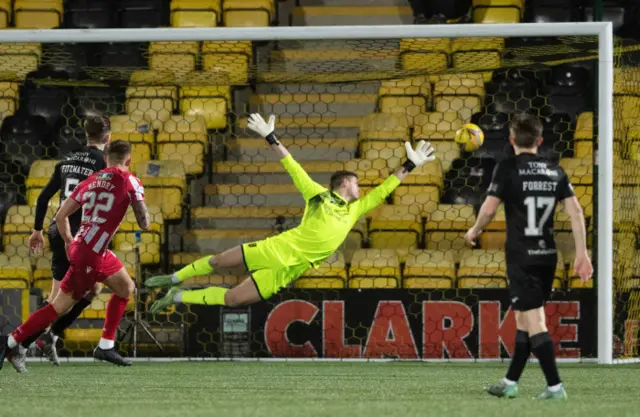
(59, 261)
(530, 285)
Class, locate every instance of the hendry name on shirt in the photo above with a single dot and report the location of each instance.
(102, 184)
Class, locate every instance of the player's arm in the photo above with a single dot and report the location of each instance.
(67, 208)
(136, 194)
(488, 210)
(415, 158)
(36, 240)
(307, 187)
(582, 264)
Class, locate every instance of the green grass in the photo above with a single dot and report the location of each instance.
(307, 389)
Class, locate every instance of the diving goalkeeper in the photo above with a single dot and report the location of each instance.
(274, 262)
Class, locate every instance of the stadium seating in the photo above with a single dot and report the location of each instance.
(177, 58)
(17, 229)
(230, 58)
(482, 269)
(470, 54)
(331, 274)
(248, 12)
(184, 138)
(165, 186)
(150, 240)
(142, 13)
(445, 227)
(408, 96)
(39, 175)
(15, 271)
(137, 130)
(430, 55)
(195, 13)
(374, 268)
(38, 14)
(89, 14)
(430, 269)
(497, 11)
(20, 58)
(395, 227)
(210, 102)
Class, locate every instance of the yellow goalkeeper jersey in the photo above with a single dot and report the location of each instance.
(327, 218)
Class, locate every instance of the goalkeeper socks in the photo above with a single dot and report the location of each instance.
(64, 321)
(520, 356)
(207, 296)
(542, 347)
(199, 267)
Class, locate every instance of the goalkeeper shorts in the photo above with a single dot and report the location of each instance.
(272, 265)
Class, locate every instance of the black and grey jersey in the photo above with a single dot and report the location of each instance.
(530, 187)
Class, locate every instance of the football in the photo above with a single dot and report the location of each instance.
(470, 136)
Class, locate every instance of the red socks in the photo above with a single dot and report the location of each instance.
(115, 311)
(36, 322)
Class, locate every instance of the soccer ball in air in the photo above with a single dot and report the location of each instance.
(470, 136)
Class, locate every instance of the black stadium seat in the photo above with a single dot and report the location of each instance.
(610, 13)
(89, 14)
(68, 139)
(572, 78)
(25, 138)
(50, 102)
(547, 11)
(70, 58)
(467, 180)
(99, 100)
(129, 55)
(143, 13)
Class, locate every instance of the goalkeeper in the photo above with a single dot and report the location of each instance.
(277, 261)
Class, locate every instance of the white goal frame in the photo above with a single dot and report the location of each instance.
(603, 30)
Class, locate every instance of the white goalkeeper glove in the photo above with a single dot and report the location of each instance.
(418, 157)
(264, 129)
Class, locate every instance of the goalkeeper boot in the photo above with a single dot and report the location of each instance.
(110, 355)
(47, 343)
(160, 281)
(503, 390)
(560, 394)
(166, 301)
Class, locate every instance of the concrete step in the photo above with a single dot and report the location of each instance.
(230, 195)
(343, 104)
(217, 241)
(270, 172)
(323, 61)
(351, 15)
(330, 126)
(251, 217)
(258, 150)
(342, 88)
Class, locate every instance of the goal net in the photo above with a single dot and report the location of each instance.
(403, 285)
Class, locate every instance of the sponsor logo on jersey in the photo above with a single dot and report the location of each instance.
(106, 176)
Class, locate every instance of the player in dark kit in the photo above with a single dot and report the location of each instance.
(530, 187)
(75, 168)
(104, 198)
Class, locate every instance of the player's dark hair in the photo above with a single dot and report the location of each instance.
(118, 150)
(97, 128)
(338, 177)
(526, 129)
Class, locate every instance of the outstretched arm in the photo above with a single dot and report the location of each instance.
(307, 187)
(415, 158)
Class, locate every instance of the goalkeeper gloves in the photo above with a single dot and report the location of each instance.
(418, 157)
(264, 129)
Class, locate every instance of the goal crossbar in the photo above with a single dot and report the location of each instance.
(603, 30)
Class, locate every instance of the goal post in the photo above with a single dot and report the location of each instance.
(605, 114)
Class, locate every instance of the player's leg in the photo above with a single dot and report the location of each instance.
(232, 258)
(122, 286)
(38, 321)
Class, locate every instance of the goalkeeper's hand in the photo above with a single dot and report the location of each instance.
(419, 156)
(264, 129)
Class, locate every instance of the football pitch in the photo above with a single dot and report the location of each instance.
(230, 389)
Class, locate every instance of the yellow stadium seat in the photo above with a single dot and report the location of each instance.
(408, 96)
(494, 235)
(19, 59)
(7, 107)
(39, 175)
(248, 13)
(137, 130)
(42, 275)
(496, 15)
(379, 126)
(230, 57)
(5, 13)
(422, 188)
(34, 14)
(477, 54)
(177, 58)
(447, 225)
(580, 173)
(430, 269)
(184, 138)
(330, 274)
(164, 185)
(482, 269)
(151, 240)
(128, 259)
(427, 54)
(374, 268)
(17, 229)
(195, 13)
(210, 102)
(469, 79)
(152, 103)
(436, 125)
(15, 272)
(464, 100)
(395, 227)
